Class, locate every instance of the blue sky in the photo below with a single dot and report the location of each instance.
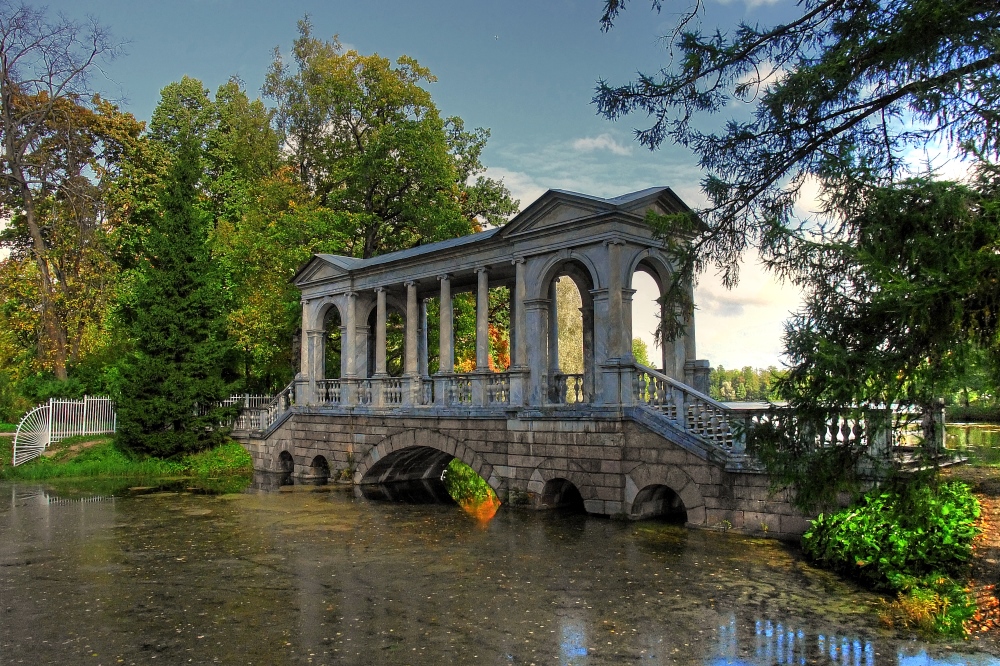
(526, 70)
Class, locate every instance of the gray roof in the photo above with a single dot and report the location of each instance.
(350, 263)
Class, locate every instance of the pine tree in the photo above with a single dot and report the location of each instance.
(175, 378)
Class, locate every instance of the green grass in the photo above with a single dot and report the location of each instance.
(8, 427)
(103, 459)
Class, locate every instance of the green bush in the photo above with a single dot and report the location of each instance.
(464, 485)
(910, 538)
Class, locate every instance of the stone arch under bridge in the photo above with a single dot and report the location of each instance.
(414, 455)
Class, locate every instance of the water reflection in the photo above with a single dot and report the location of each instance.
(979, 441)
(292, 575)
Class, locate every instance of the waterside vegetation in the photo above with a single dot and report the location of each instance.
(100, 457)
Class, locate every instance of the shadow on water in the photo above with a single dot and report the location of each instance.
(419, 491)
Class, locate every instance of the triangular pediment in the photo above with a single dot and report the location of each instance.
(320, 268)
(555, 208)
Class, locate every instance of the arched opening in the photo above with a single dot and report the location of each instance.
(333, 335)
(658, 501)
(425, 475)
(648, 283)
(319, 471)
(563, 495)
(570, 350)
(646, 319)
(286, 464)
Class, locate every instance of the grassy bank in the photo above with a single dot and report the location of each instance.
(99, 457)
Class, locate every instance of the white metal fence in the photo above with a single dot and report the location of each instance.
(58, 419)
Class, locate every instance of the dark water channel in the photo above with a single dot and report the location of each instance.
(299, 575)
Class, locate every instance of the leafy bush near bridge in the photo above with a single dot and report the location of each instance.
(464, 485)
(914, 539)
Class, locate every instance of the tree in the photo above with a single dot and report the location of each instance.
(842, 92)
(174, 380)
(892, 308)
(50, 152)
(367, 141)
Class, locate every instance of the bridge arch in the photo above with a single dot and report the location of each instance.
(551, 476)
(642, 487)
(417, 454)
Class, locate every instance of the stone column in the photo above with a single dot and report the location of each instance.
(483, 321)
(446, 364)
(519, 373)
(588, 351)
(380, 324)
(536, 340)
(422, 340)
(410, 368)
(349, 350)
(350, 341)
(518, 318)
(412, 329)
(616, 313)
(553, 337)
(314, 351)
(627, 332)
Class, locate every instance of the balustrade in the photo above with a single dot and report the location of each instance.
(686, 408)
(329, 392)
(460, 389)
(567, 388)
(498, 388)
(365, 392)
(392, 391)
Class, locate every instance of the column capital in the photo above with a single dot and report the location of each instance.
(537, 303)
(444, 276)
(483, 269)
(379, 290)
(410, 283)
(351, 294)
(517, 260)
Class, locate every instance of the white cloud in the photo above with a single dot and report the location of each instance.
(743, 326)
(601, 142)
(522, 187)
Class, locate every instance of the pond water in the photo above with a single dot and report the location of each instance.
(980, 442)
(316, 575)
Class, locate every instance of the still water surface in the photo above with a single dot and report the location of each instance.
(302, 575)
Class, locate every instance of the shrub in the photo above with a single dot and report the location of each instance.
(911, 538)
(464, 485)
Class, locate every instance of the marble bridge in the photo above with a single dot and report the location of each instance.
(620, 438)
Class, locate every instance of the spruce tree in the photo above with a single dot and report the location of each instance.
(175, 378)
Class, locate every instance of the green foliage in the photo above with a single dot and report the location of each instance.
(913, 538)
(106, 459)
(974, 414)
(173, 380)
(890, 309)
(640, 351)
(843, 92)
(746, 385)
(464, 485)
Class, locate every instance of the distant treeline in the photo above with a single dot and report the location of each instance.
(748, 384)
